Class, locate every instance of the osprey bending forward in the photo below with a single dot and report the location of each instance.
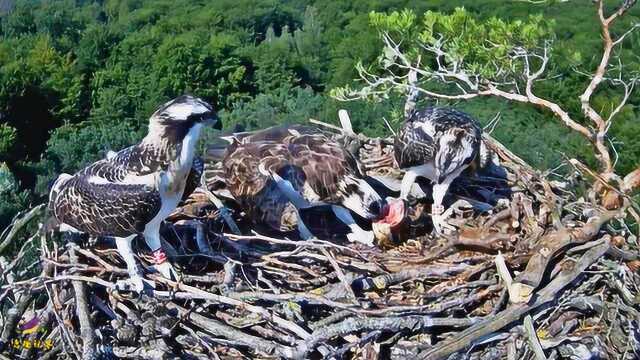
(274, 172)
(438, 144)
(132, 191)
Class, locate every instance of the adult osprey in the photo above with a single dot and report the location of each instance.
(438, 144)
(274, 172)
(132, 191)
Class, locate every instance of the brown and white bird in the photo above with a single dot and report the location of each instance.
(277, 171)
(438, 144)
(132, 191)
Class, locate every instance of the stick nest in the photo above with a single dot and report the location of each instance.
(537, 270)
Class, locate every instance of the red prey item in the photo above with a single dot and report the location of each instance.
(394, 213)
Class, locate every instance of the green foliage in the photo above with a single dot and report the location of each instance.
(8, 136)
(283, 105)
(12, 199)
(290, 59)
(79, 78)
(402, 22)
(458, 42)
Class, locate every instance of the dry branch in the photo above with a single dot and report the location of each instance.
(82, 311)
(264, 295)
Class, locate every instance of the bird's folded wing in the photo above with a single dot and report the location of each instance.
(325, 164)
(98, 206)
(242, 167)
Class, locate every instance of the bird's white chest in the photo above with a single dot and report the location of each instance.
(172, 182)
(187, 152)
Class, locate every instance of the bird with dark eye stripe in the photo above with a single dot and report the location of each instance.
(132, 191)
(277, 172)
(438, 144)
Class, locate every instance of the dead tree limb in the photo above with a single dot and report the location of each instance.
(219, 329)
(83, 313)
(552, 244)
(515, 312)
(19, 222)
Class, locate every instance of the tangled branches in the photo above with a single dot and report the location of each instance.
(574, 289)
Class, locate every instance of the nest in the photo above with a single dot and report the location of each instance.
(536, 270)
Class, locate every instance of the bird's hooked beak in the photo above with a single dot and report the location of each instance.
(214, 121)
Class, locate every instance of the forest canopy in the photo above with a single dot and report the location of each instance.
(79, 78)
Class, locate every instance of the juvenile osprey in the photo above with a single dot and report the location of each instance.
(274, 172)
(132, 191)
(438, 144)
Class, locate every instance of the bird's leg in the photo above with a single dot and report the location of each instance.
(161, 264)
(426, 170)
(169, 181)
(303, 230)
(407, 181)
(135, 282)
(285, 186)
(296, 199)
(437, 209)
(357, 233)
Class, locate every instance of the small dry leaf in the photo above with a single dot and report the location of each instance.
(634, 265)
(618, 241)
(611, 200)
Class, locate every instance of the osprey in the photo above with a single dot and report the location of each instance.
(132, 191)
(438, 144)
(277, 171)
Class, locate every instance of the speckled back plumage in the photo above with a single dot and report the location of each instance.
(115, 208)
(316, 167)
(275, 133)
(418, 140)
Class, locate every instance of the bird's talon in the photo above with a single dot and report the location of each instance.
(167, 271)
(364, 237)
(441, 227)
(134, 284)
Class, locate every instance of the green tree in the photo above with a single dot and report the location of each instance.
(459, 57)
(12, 199)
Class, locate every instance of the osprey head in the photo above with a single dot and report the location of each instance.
(361, 198)
(183, 112)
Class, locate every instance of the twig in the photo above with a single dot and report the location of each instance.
(534, 342)
(340, 274)
(393, 324)
(20, 221)
(219, 329)
(83, 313)
(511, 314)
(518, 293)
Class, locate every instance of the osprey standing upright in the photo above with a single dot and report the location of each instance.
(132, 191)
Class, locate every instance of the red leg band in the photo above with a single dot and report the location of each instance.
(159, 256)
